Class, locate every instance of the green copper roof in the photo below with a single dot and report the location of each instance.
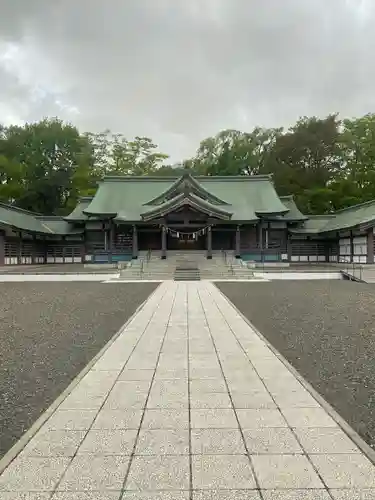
(246, 198)
(24, 220)
(347, 218)
(314, 225)
(186, 184)
(77, 215)
(357, 215)
(294, 214)
(181, 200)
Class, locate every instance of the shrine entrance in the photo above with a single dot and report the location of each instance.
(177, 240)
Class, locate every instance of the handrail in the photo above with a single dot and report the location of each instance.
(141, 268)
(351, 268)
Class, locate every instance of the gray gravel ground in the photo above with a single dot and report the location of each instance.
(326, 330)
(48, 333)
(56, 269)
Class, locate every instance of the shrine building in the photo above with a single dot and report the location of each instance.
(129, 216)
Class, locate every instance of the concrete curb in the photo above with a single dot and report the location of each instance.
(22, 442)
(349, 431)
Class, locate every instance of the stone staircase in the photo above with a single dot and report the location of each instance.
(186, 266)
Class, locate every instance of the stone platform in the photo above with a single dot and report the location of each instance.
(189, 402)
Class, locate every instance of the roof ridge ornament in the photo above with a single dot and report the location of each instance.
(187, 185)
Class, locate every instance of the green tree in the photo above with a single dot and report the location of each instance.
(51, 156)
(116, 155)
(356, 182)
(306, 160)
(232, 152)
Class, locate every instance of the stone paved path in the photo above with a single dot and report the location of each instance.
(189, 403)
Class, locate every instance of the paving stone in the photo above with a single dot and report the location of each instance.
(120, 399)
(203, 373)
(217, 441)
(213, 419)
(208, 385)
(222, 472)
(33, 473)
(133, 386)
(365, 494)
(165, 419)
(76, 401)
(285, 471)
(255, 399)
(17, 495)
(308, 417)
(245, 386)
(163, 442)
(54, 443)
(295, 495)
(127, 374)
(71, 420)
(210, 400)
(177, 401)
(109, 442)
(295, 399)
(90, 472)
(159, 473)
(87, 495)
(99, 381)
(173, 374)
(151, 495)
(258, 418)
(345, 471)
(169, 387)
(117, 419)
(325, 440)
(275, 440)
(226, 495)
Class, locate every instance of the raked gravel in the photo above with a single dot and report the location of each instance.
(48, 333)
(326, 330)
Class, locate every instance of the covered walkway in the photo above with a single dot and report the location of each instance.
(189, 402)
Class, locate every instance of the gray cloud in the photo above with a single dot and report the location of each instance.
(179, 71)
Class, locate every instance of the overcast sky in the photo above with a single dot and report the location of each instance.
(181, 70)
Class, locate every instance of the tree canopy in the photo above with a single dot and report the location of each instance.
(326, 163)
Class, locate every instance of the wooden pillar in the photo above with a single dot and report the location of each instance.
(63, 239)
(2, 248)
(209, 243)
(45, 252)
(238, 243)
(370, 246)
(163, 242)
(19, 255)
(33, 250)
(289, 246)
(135, 243)
(260, 235)
(351, 247)
(110, 241)
(260, 240)
(83, 248)
(327, 247)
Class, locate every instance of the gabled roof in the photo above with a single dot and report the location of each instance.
(23, 220)
(77, 215)
(351, 217)
(186, 184)
(314, 225)
(294, 214)
(246, 198)
(181, 200)
(344, 219)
